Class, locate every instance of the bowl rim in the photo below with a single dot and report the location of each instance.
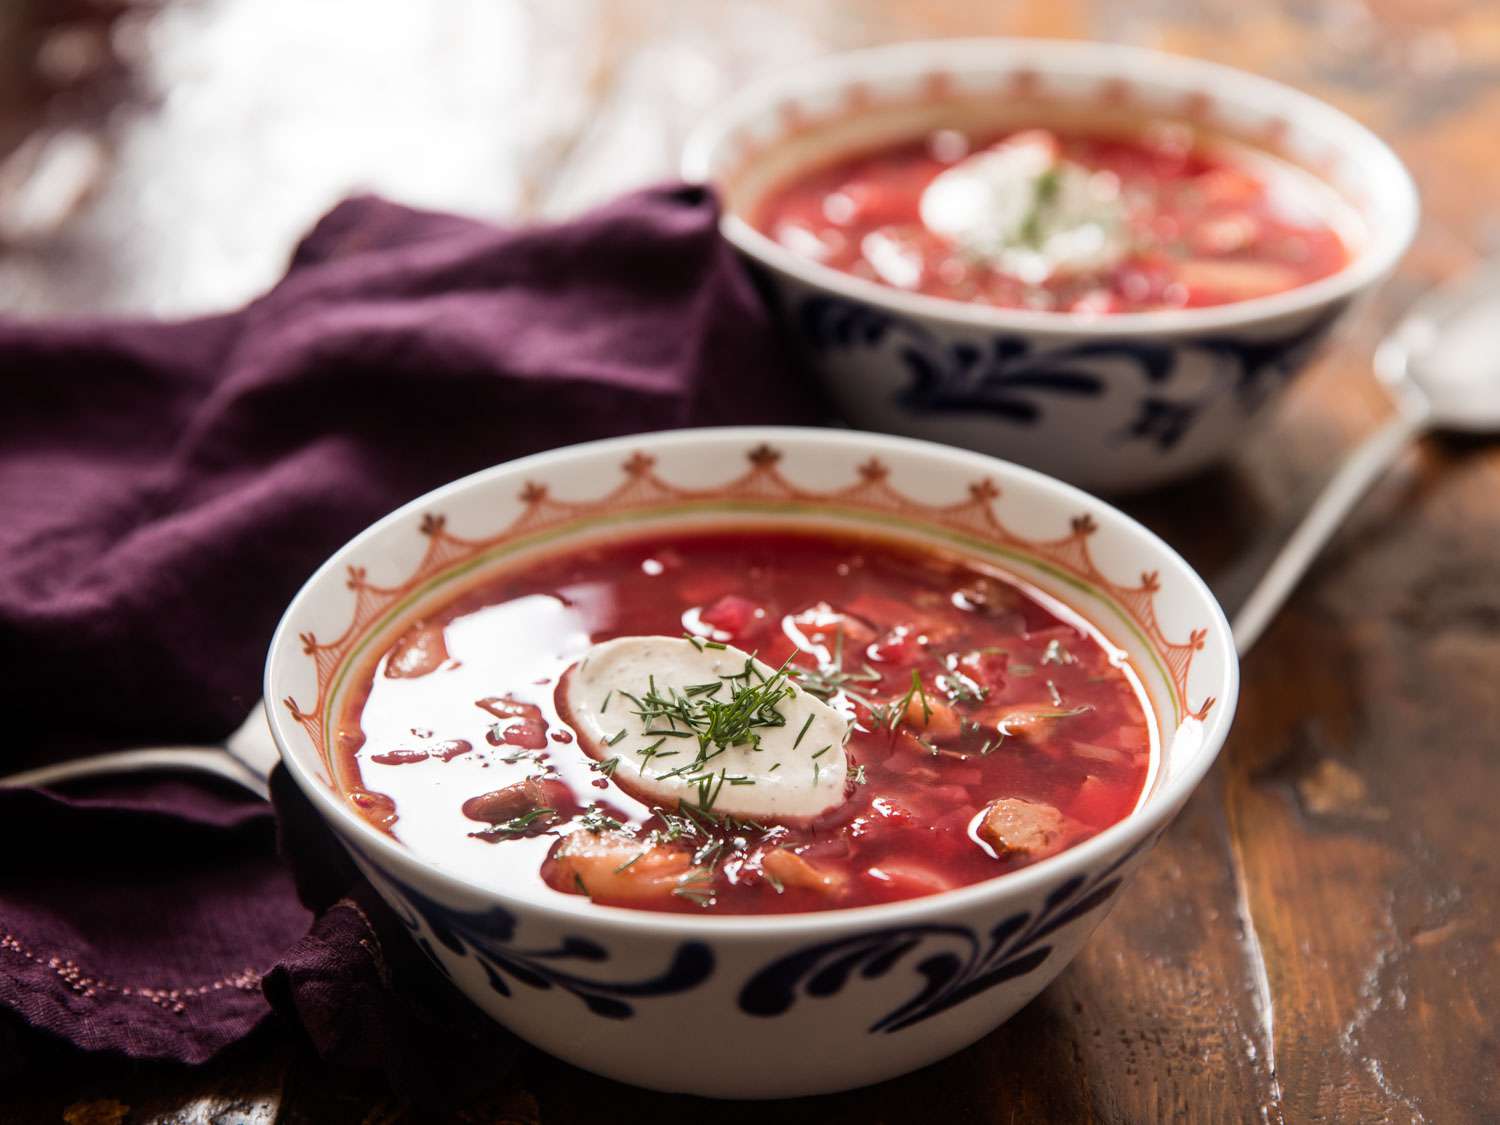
(1371, 264)
(1115, 840)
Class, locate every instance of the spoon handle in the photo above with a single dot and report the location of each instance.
(191, 759)
(245, 758)
(1364, 466)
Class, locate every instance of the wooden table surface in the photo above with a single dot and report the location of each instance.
(1316, 938)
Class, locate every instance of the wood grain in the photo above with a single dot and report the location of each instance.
(1316, 938)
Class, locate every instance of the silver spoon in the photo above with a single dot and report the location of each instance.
(1442, 367)
(246, 758)
(1441, 363)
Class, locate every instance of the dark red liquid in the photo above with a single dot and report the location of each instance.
(1076, 754)
(1204, 230)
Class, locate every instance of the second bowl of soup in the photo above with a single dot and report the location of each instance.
(1095, 260)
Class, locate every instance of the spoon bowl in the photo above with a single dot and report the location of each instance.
(1442, 366)
(1446, 354)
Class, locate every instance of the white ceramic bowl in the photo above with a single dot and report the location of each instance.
(1112, 402)
(757, 1007)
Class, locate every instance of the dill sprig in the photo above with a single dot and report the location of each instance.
(595, 819)
(700, 711)
(957, 685)
(891, 714)
(696, 887)
(830, 679)
(518, 825)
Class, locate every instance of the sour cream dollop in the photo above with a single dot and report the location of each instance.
(1023, 209)
(797, 768)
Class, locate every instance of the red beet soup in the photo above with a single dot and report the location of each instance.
(1065, 222)
(986, 726)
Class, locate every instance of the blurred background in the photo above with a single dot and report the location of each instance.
(163, 155)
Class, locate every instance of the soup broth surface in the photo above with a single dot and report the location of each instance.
(1076, 223)
(989, 727)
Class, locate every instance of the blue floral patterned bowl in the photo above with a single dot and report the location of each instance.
(787, 1004)
(1113, 402)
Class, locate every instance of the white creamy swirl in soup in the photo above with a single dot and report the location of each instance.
(680, 719)
(1022, 208)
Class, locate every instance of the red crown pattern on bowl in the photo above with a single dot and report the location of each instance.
(643, 489)
(1024, 84)
(939, 85)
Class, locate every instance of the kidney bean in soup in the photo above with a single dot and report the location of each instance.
(985, 730)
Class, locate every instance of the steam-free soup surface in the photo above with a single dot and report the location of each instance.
(1065, 222)
(986, 730)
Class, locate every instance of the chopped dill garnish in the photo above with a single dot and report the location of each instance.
(616, 738)
(708, 784)
(696, 886)
(1045, 189)
(828, 680)
(518, 825)
(891, 714)
(694, 641)
(802, 732)
(578, 882)
(700, 712)
(603, 707)
(632, 859)
(823, 751)
(775, 766)
(607, 767)
(958, 687)
(596, 819)
(708, 853)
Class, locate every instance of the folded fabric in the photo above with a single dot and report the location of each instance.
(166, 488)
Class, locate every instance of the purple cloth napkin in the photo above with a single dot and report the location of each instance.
(166, 487)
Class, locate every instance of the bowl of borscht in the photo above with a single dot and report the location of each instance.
(751, 762)
(1095, 260)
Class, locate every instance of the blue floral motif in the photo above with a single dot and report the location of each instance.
(1261, 366)
(1004, 377)
(1013, 947)
(1162, 420)
(487, 935)
(1256, 368)
(999, 380)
